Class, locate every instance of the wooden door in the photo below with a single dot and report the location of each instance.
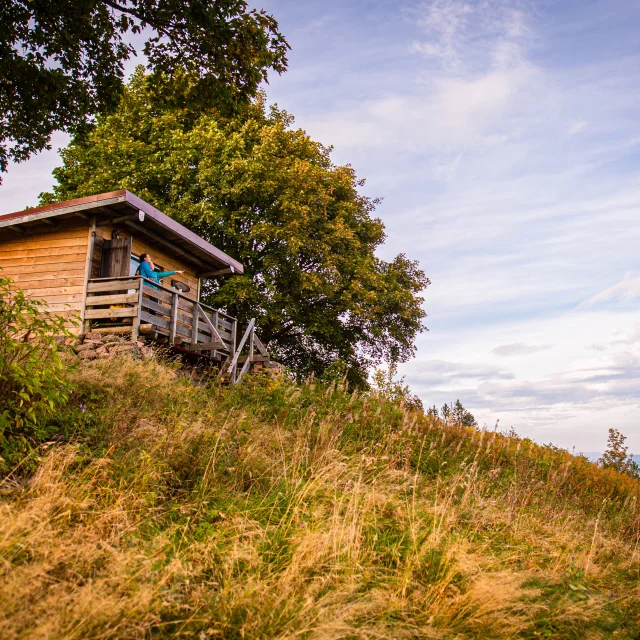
(116, 256)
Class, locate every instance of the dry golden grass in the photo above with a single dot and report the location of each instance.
(283, 511)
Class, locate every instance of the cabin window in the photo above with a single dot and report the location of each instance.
(134, 265)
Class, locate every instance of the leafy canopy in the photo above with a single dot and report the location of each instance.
(62, 61)
(269, 196)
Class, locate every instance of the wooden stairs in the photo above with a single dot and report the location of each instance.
(235, 366)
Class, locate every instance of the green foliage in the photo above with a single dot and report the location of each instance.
(269, 196)
(385, 385)
(616, 457)
(32, 385)
(62, 62)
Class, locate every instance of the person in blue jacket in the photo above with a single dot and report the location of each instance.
(147, 270)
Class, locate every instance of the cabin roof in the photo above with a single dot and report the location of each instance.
(123, 207)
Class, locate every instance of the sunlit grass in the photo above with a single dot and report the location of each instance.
(275, 510)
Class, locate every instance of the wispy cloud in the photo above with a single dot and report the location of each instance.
(519, 349)
(472, 71)
(577, 127)
(627, 289)
(467, 37)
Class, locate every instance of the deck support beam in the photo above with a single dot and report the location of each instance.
(174, 319)
(135, 329)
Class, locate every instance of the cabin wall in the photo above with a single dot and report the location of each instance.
(49, 265)
(159, 256)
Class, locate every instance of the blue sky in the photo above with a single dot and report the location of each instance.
(504, 139)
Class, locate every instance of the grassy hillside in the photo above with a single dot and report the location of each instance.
(272, 510)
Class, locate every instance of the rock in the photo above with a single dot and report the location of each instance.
(273, 369)
(93, 335)
(123, 348)
(88, 354)
(82, 348)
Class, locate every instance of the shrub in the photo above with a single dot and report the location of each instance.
(31, 373)
(616, 457)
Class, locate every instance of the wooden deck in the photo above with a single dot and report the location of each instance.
(131, 302)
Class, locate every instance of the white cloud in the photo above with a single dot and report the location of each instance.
(577, 127)
(464, 37)
(627, 289)
(519, 349)
(548, 394)
(444, 20)
(23, 182)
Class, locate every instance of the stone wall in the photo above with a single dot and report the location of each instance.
(91, 346)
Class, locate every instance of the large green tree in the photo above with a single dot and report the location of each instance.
(270, 196)
(62, 60)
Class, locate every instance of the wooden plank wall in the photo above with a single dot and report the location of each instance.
(49, 265)
(159, 256)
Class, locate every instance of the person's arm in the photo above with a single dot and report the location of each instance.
(164, 274)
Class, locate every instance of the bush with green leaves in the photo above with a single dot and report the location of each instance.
(616, 456)
(32, 384)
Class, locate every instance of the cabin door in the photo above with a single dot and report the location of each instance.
(116, 256)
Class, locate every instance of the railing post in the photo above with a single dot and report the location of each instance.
(215, 324)
(135, 329)
(174, 318)
(234, 332)
(194, 326)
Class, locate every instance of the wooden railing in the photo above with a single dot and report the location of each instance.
(183, 320)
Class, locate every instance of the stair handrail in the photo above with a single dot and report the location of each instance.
(212, 328)
(236, 355)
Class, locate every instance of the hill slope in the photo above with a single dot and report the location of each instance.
(275, 510)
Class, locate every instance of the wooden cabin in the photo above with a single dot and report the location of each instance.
(82, 256)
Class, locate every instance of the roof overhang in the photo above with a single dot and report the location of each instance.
(140, 218)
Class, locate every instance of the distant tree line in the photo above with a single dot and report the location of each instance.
(454, 413)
